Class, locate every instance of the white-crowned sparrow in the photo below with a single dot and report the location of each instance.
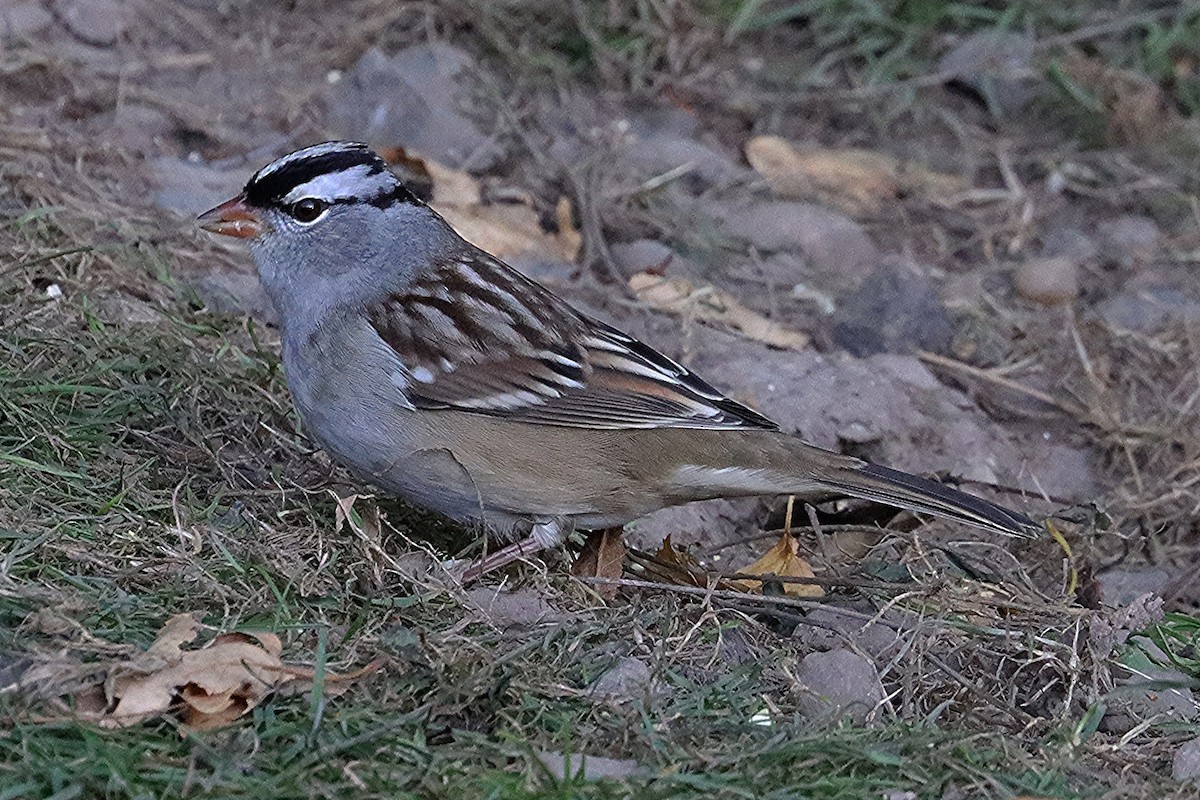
(439, 373)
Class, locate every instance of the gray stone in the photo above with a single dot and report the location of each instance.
(190, 187)
(663, 153)
(894, 409)
(1069, 243)
(710, 523)
(1185, 766)
(415, 99)
(830, 626)
(96, 22)
(575, 766)
(895, 310)
(628, 680)
(835, 246)
(1148, 308)
(1128, 239)
(227, 292)
(839, 683)
(997, 65)
(1121, 586)
(1048, 280)
(505, 608)
(18, 20)
(642, 255)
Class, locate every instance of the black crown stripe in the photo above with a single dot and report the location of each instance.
(272, 183)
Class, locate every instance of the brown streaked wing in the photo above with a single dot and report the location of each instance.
(477, 336)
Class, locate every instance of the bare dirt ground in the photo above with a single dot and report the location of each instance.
(958, 239)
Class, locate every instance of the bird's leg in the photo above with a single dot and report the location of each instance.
(545, 535)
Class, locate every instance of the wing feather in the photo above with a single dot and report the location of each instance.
(477, 336)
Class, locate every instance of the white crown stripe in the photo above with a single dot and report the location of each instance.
(316, 151)
(345, 184)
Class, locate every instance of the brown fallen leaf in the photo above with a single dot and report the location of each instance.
(783, 560)
(215, 684)
(603, 556)
(453, 187)
(676, 566)
(569, 236)
(506, 230)
(856, 181)
(208, 687)
(681, 296)
(1137, 109)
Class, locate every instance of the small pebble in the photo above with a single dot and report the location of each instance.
(1050, 281)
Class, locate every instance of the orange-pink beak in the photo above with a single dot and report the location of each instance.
(232, 218)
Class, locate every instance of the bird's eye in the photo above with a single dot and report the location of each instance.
(308, 209)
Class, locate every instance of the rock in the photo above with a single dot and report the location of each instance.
(1121, 586)
(576, 766)
(1148, 309)
(895, 310)
(829, 627)
(661, 139)
(1048, 280)
(18, 20)
(96, 22)
(140, 129)
(660, 154)
(1148, 690)
(414, 99)
(833, 244)
(642, 255)
(1128, 239)
(710, 523)
(839, 683)
(505, 609)
(544, 268)
(227, 292)
(190, 187)
(1185, 766)
(628, 680)
(1110, 629)
(997, 65)
(1069, 243)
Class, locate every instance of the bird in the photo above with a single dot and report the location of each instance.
(441, 375)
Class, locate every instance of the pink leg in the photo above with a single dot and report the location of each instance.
(543, 536)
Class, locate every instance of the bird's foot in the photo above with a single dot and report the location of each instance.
(543, 536)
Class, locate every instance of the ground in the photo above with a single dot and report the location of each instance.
(959, 239)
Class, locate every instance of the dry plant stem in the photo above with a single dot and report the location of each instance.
(1084, 415)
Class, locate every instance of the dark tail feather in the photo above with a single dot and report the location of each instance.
(893, 487)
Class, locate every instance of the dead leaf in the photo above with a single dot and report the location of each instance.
(676, 566)
(178, 631)
(223, 680)
(603, 556)
(208, 687)
(453, 187)
(334, 684)
(1136, 107)
(681, 296)
(569, 237)
(856, 181)
(784, 561)
(506, 231)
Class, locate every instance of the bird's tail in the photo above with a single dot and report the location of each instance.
(891, 486)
